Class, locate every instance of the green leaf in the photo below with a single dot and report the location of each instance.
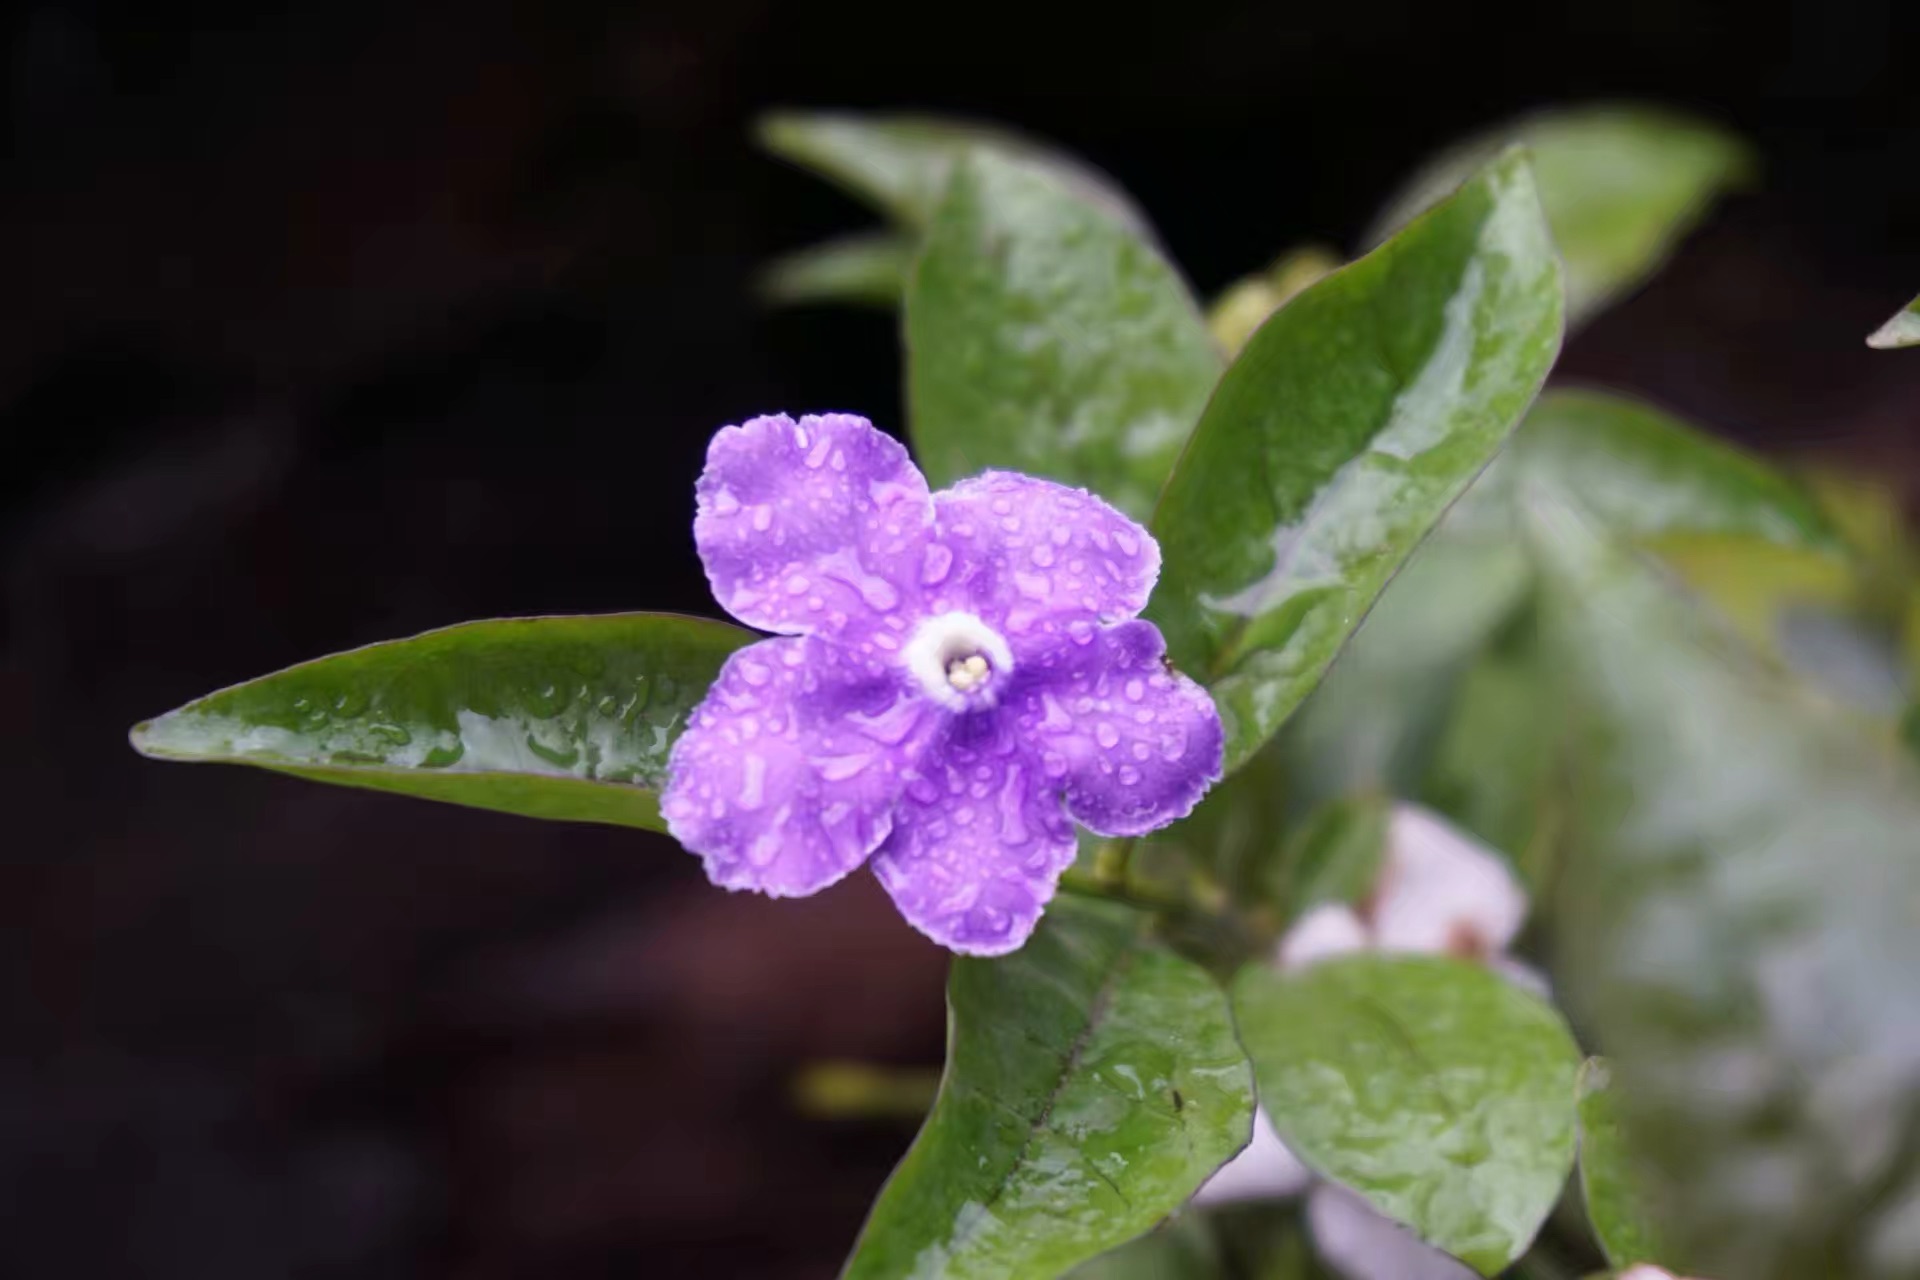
(1609, 1182)
(900, 164)
(1350, 422)
(1645, 474)
(1622, 185)
(869, 267)
(1903, 330)
(1431, 1086)
(1044, 336)
(1093, 1082)
(1336, 854)
(1735, 925)
(566, 718)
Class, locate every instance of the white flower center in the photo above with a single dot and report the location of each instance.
(959, 660)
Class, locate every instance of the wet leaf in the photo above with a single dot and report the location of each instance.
(1093, 1082)
(566, 718)
(1735, 925)
(869, 267)
(1903, 330)
(1622, 184)
(1609, 1182)
(900, 164)
(1044, 336)
(1339, 437)
(1431, 1086)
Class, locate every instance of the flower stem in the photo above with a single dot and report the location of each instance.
(1093, 885)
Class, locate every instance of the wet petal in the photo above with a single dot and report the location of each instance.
(1363, 1245)
(1441, 890)
(1133, 744)
(978, 840)
(815, 526)
(1034, 557)
(786, 777)
(1264, 1170)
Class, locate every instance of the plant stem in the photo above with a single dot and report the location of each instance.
(1093, 885)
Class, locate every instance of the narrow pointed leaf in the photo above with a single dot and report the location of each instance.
(1339, 437)
(900, 164)
(565, 718)
(1044, 336)
(1432, 1087)
(1609, 1182)
(1622, 185)
(1093, 1082)
(1903, 330)
(1735, 925)
(870, 268)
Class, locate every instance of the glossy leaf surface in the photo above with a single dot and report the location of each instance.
(1093, 1082)
(1609, 1182)
(1735, 925)
(1044, 336)
(1348, 424)
(1902, 330)
(560, 717)
(1431, 1086)
(1621, 184)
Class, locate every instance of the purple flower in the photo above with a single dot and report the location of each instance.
(956, 674)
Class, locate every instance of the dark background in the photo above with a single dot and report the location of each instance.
(325, 325)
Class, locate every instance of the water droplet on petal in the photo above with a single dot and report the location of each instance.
(763, 518)
(753, 781)
(935, 563)
(1106, 735)
(1128, 775)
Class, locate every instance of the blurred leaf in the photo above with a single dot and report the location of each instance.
(1246, 304)
(1903, 330)
(1181, 1250)
(566, 718)
(1044, 336)
(901, 163)
(1093, 1082)
(1621, 185)
(1336, 854)
(1375, 720)
(869, 267)
(1736, 925)
(1431, 1086)
(1494, 770)
(1644, 473)
(1338, 439)
(1609, 1183)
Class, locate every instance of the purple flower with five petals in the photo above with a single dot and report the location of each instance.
(955, 674)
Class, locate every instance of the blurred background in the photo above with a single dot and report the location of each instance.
(324, 324)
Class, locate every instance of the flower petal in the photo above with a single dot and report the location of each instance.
(1034, 557)
(815, 526)
(786, 777)
(1364, 1245)
(1264, 1170)
(978, 840)
(1134, 744)
(1328, 930)
(1441, 890)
